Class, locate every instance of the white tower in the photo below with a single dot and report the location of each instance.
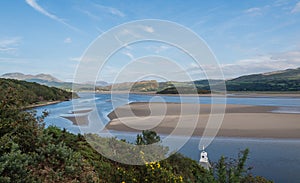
(204, 162)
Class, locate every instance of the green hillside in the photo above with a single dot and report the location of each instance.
(139, 86)
(289, 74)
(29, 152)
(281, 81)
(286, 80)
(28, 93)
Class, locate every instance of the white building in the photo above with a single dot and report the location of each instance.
(204, 162)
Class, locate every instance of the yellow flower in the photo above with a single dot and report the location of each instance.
(123, 182)
(158, 165)
(181, 179)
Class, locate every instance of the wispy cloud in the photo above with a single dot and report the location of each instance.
(254, 11)
(111, 10)
(148, 29)
(8, 60)
(76, 59)
(10, 45)
(158, 48)
(68, 40)
(279, 3)
(89, 14)
(40, 9)
(259, 64)
(128, 54)
(296, 8)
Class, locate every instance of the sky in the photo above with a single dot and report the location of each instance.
(246, 37)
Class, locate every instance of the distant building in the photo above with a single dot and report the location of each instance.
(204, 162)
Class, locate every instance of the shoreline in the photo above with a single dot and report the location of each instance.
(254, 94)
(44, 104)
(239, 121)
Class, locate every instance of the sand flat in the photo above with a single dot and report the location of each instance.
(239, 120)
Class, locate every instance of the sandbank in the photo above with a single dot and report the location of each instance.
(191, 119)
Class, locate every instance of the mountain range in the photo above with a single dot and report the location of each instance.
(21, 76)
(49, 80)
(284, 80)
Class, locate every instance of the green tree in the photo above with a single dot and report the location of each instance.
(147, 137)
(13, 166)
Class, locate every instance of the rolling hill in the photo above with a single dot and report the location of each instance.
(51, 81)
(28, 93)
(284, 80)
(289, 74)
(21, 76)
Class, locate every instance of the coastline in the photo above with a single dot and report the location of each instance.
(254, 94)
(43, 104)
(239, 121)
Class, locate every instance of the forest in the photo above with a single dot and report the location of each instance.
(30, 93)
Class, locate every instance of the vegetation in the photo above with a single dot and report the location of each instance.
(286, 80)
(28, 93)
(264, 85)
(139, 86)
(183, 90)
(31, 153)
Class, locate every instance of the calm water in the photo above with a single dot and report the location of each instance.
(275, 159)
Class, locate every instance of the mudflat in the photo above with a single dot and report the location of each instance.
(192, 119)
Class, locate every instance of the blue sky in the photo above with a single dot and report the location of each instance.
(249, 36)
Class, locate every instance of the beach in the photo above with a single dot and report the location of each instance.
(238, 121)
(43, 104)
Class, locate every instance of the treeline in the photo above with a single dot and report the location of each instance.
(264, 85)
(28, 93)
(232, 85)
(183, 90)
(31, 153)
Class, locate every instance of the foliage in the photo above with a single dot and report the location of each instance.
(234, 170)
(183, 90)
(147, 137)
(31, 153)
(28, 93)
(287, 80)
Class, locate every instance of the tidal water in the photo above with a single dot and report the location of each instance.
(276, 159)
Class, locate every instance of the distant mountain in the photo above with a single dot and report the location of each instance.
(21, 76)
(139, 86)
(45, 79)
(285, 80)
(98, 83)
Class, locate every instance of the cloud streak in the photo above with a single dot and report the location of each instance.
(128, 54)
(110, 10)
(10, 45)
(296, 9)
(254, 11)
(260, 64)
(40, 9)
(76, 59)
(68, 40)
